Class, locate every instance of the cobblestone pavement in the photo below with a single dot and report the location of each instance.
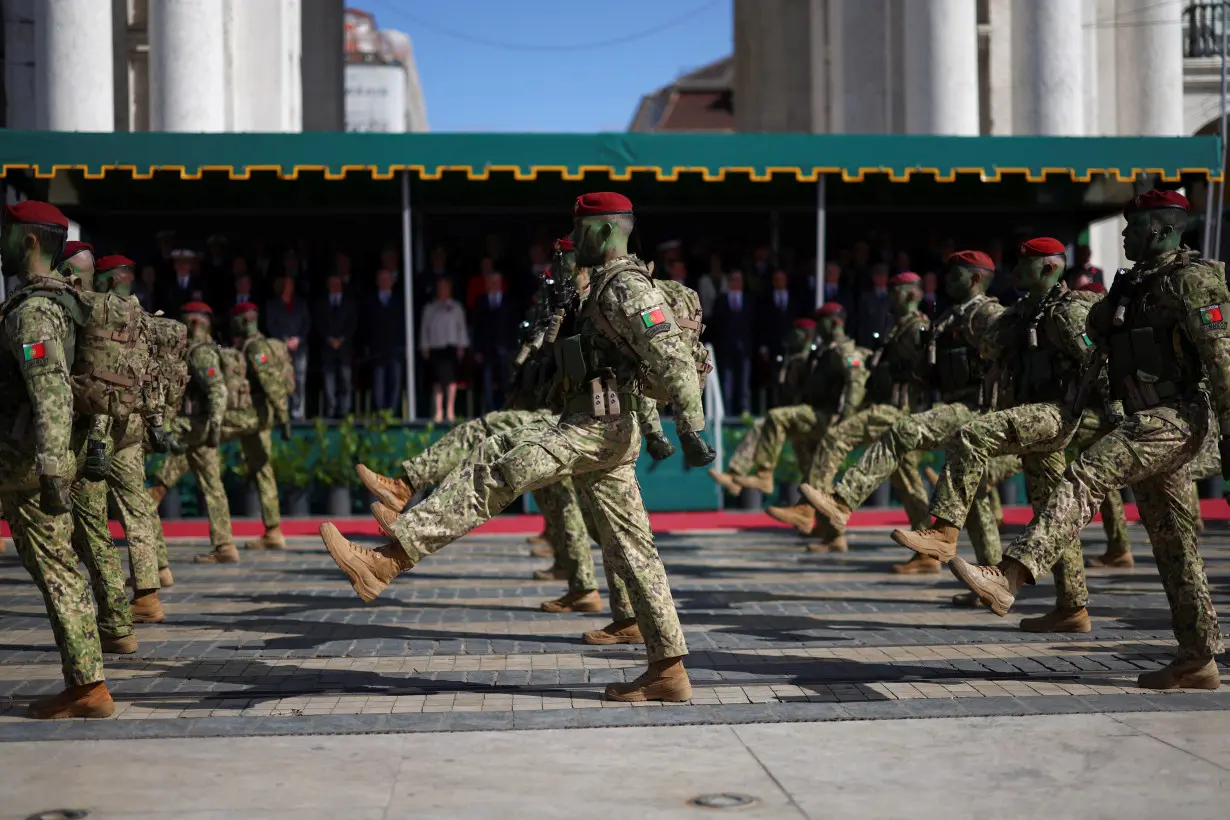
(280, 645)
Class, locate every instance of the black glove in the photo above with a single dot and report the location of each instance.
(96, 462)
(287, 433)
(159, 441)
(175, 445)
(659, 446)
(696, 451)
(53, 497)
(213, 434)
(1223, 449)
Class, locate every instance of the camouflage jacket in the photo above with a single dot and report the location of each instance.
(838, 378)
(897, 372)
(205, 399)
(262, 378)
(957, 370)
(792, 376)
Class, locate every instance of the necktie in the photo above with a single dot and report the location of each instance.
(183, 283)
(738, 303)
(337, 301)
(781, 300)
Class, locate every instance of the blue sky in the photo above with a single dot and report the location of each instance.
(519, 66)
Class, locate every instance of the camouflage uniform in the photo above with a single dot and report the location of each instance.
(1114, 523)
(147, 546)
(791, 381)
(598, 452)
(1181, 299)
(38, 339)
(91, 540)
(255, 429)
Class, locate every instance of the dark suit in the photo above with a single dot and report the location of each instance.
(732, 332)
(872, 318)
(173, 294)
(384, 343)
(494, 335)
(775, 319)
(337, 321)
(843, 297)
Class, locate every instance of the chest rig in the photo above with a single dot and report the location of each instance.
(958, 369)
(894, 375)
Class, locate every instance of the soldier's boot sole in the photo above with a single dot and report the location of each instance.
(553, 574)
(1059, 620)
(664, 681)
(126, 645)
(801, 516)
(1123, 560)
(827, 506)
(147, 609)
(938, 544)
(165, 578)
(918, 565)
(966, 600)
(762, 481)
(89, 701)
(543, 550)
(726, 481)
(273, 539)
(838, 544)
(1197, 674)
(613, 633)
(589, 601)
(393, 492)
(222, 554)
(989, 584)
(370, 571)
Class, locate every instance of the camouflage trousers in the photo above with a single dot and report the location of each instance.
(91, 541)
(600, 456)
(862, 428)
(1151, 451)
(744, 456)
(44, 544)
(206, 463)
(564, 523)
(1114, 522)
(147, 546)
(908, 436)
(800, 424)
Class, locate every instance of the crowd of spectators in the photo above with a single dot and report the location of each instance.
(344, 323)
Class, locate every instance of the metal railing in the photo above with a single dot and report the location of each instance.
(1203, 21)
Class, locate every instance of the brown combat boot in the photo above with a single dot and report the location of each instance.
(272, 539)
(589, 601)
(552, 574)
(3, 545)
(993, 585)
(157, 492)
(165, 578)
(827, 506)
(392, 492)
(918, 565)
(89, 701)
(222, 554)
(126, 645)
(966, 600)
(1194, 673)
(543, 550)
(726, 481)
(1123, 560)
(762, 480)
(625, 631)
(146, 608)
(664, 680)
(801, 516)
(939, 543)
(369, 571)
(1065, 619)
(837, 544)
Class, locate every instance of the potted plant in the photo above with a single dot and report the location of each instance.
(334, 468)
(292, 468)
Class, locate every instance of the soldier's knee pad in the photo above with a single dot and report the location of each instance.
(525, 466)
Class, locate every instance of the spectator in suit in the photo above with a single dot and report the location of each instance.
(835, 291)
(292, 268)
(733, 320)
(337, 320)
(443, 339)
(477, 285)
(186, 284)
(287, 318)
(872, 316)
(216, 264)
(384, 340)
(495, 334)
(242, 289)
(931, 294)
(761, 270)
(677, 271)
(778, 310)
(146, 288)
(345, 271)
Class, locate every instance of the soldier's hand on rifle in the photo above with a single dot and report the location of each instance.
(53, 497)
(159, 441)
(696, 451)
(213, 434)
(96, 462)
(659, 446)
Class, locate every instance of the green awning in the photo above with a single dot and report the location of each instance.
(619, 156)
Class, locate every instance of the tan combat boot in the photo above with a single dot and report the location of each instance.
(89, 701)
(3, 545)
(1194, 673)
(995, 586)
(544, 550)
(589, 601)
(392, 492)
(918, 565)
(762, 480)
(827, 506)
(165, 578)
(146, 608)
(801, 516)
(966, 600)
(369, 571)
(1066, 619)
(939, 543)
(157, 492)
(1123, 560)
(222, 554)
(664, 680)
(126, 645)
(726, 481)
(625, 631)
(838, 544)
(272, 539)
(540, 538)
(552, 574)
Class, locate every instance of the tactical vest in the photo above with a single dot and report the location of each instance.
(235, 376)
(279, 364)
(168, 341)
(1041, 369)
(830, 368)
(894, 377)
(958, 368)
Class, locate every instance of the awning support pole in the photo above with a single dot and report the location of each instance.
(407, 263)
(821, 236)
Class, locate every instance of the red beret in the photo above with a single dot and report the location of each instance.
(905, 278)
(830, 309)
(975, 259)
(805, 323)
(603, 202)
(114, 261)
(1094, 287)
(564, 243)
(196, 307)
(33, 212)
(244, 307)
(1152, 200)
(74, 247)
(1043, 246)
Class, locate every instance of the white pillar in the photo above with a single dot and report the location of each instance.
(1150, 63)
(73, 66)
(187, 48)
(941, 67)
(1048, 55)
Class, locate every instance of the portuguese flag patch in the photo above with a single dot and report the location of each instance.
(34, 351)
(210, 372)
(1210, 314)
(262, 358)
(653, 317)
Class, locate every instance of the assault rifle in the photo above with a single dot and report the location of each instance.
(1122, 291)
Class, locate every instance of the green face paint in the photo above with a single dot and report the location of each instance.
(590, 236)
(1036, 275)
(904, 299)
(960, 283)
(1148, 234)
(830, 327)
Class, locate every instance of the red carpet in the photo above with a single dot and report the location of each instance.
(1213, 509)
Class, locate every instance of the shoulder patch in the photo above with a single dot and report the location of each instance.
(653, 316)
(1210, 314)
(33, 351)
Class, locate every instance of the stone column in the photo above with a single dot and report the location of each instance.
(1048, 67)
(73, 66)
(1150, 64)
(187, 49)
(941, 67)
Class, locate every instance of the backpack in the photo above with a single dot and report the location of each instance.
(168, 345)
(235, 376)
(280, 365)
(685, 304)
